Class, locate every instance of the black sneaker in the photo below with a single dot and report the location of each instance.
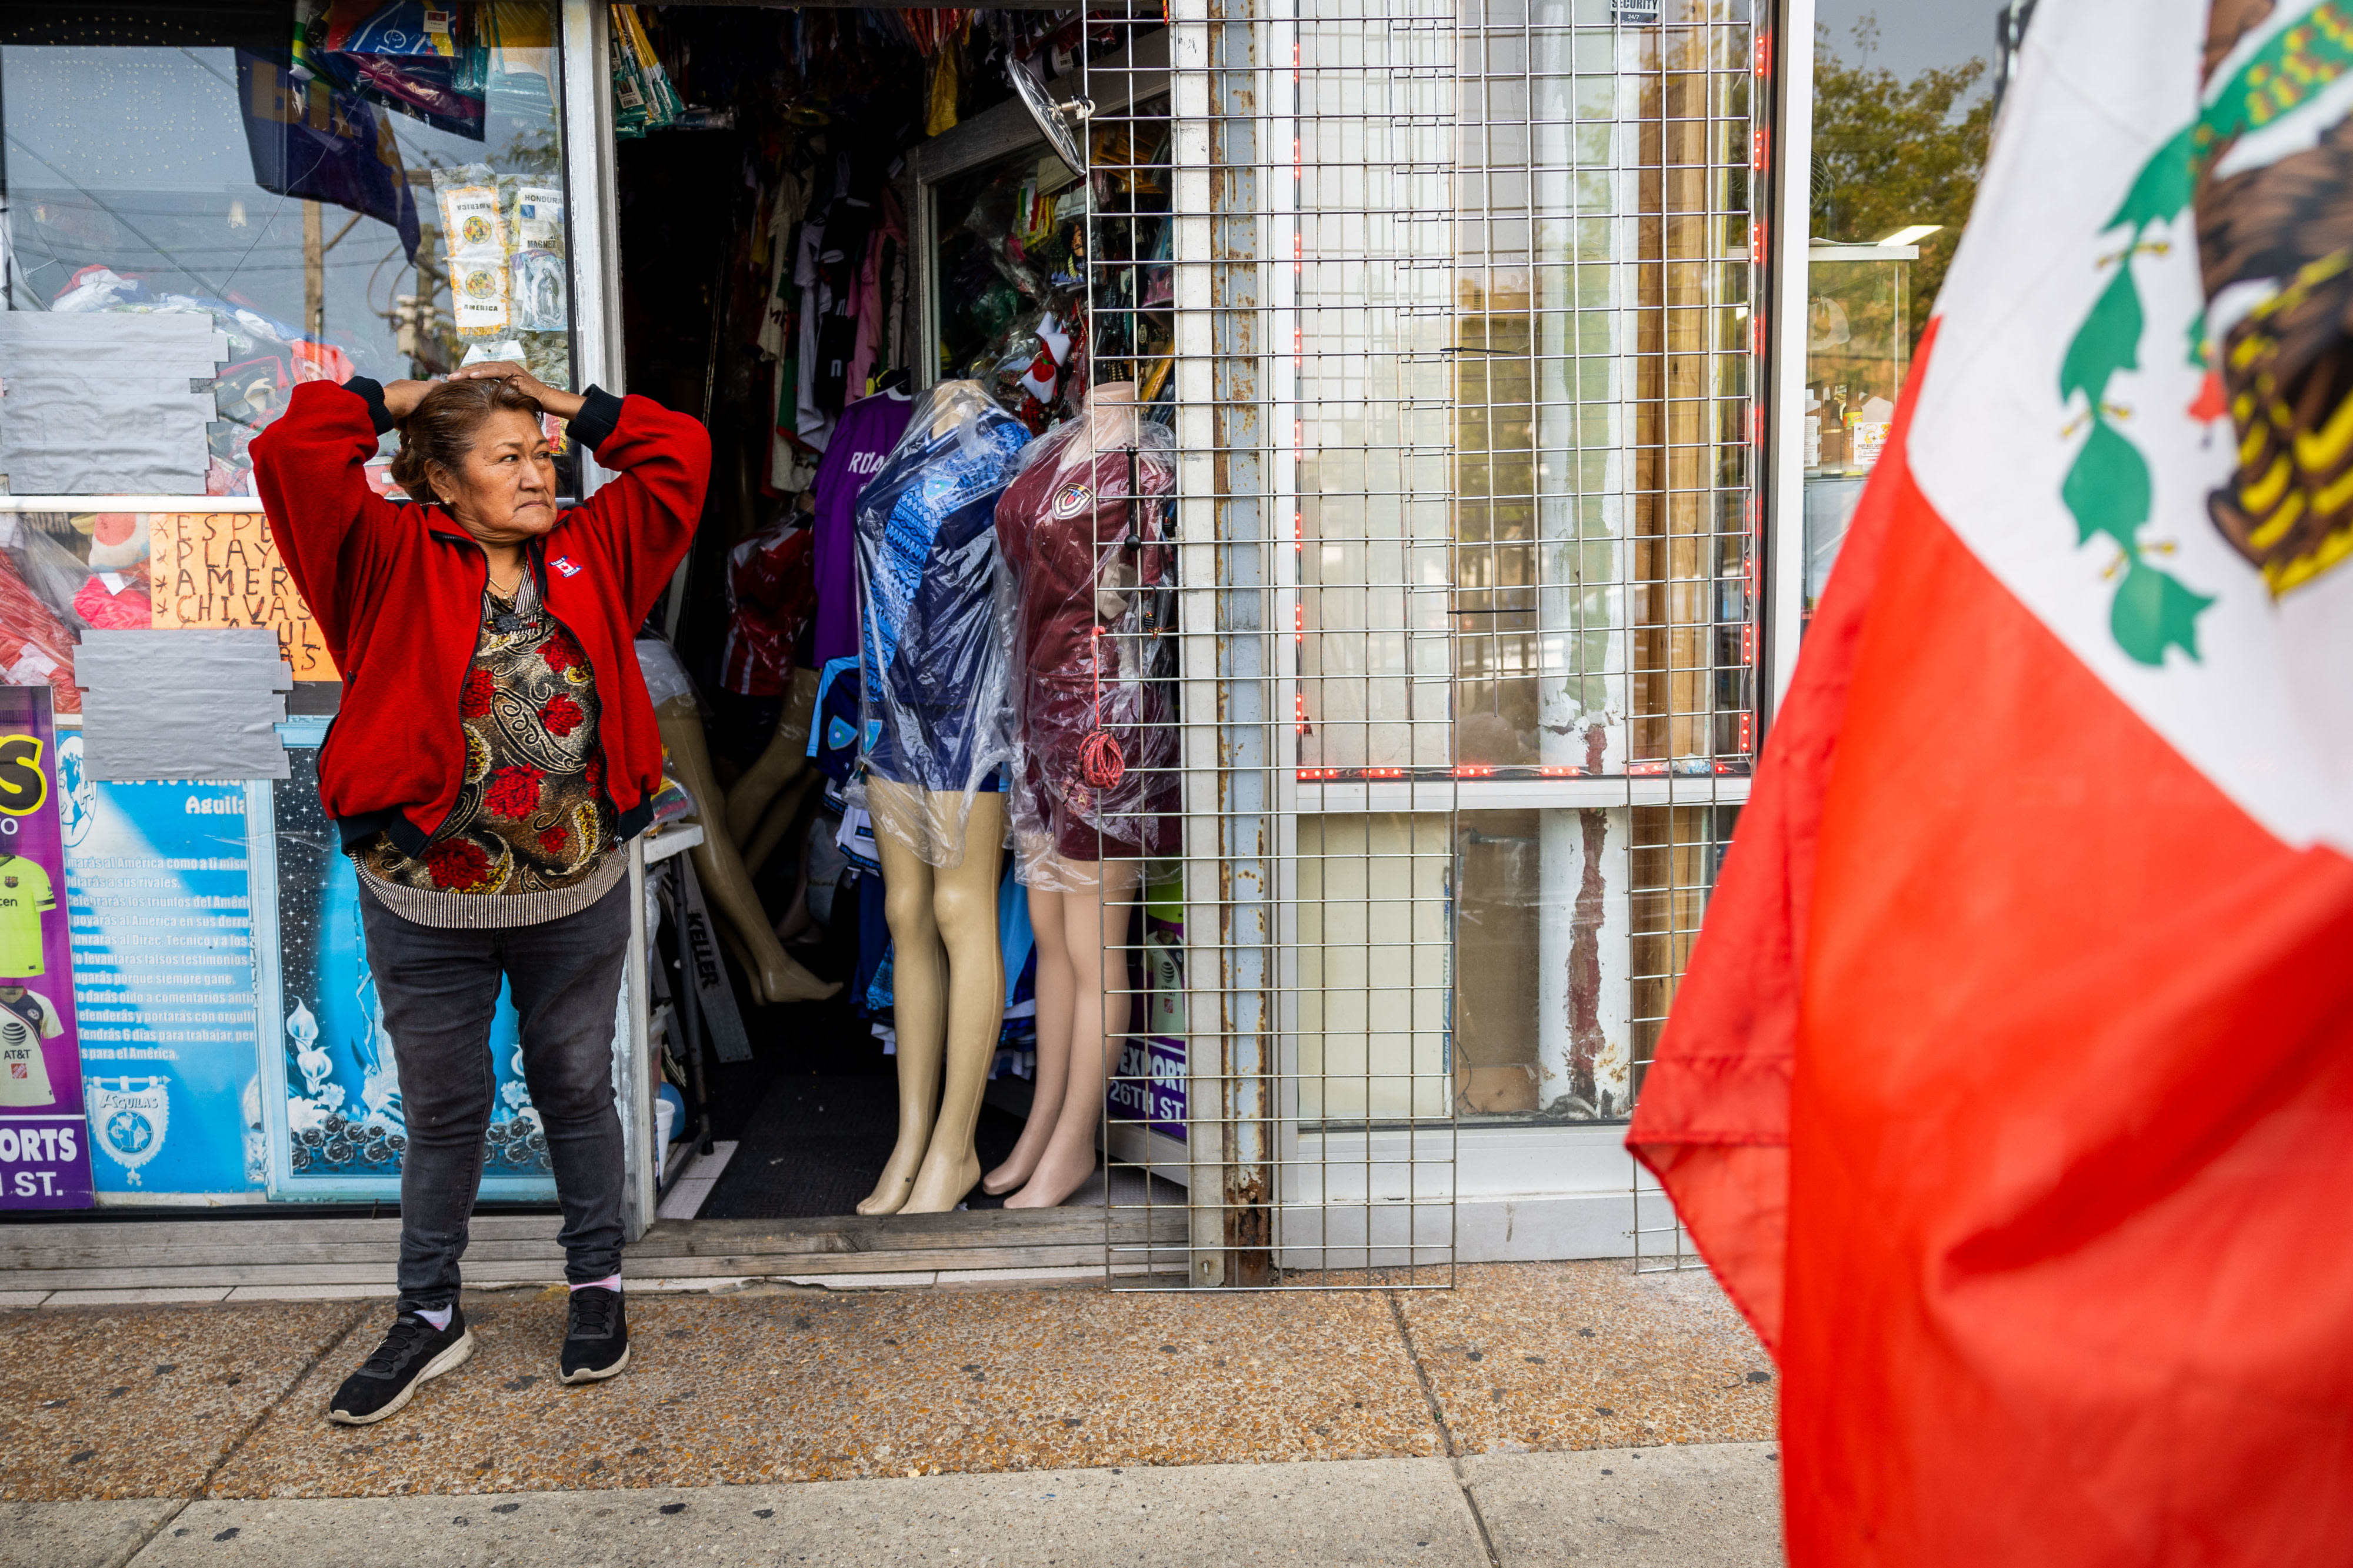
(596, 1336)
(413, 1353)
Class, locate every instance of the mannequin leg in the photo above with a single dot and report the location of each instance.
(1094, 927)
(720, 869)
(918, 1011)
(785, 759)
(964, 904)
(782, 812)
(1057, 986)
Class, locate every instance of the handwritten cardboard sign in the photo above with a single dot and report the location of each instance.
(222, 569)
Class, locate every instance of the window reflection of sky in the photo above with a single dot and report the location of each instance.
(1914, 35)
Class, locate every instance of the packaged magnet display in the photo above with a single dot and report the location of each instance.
(539, 216)
(478, 296)
(474, 233)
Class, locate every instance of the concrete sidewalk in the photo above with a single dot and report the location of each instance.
(1501, 1418)
(1711, 1505)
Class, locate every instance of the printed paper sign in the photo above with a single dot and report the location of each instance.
(333, 1121)
(1148, 1086)
(44, 1142)
(223, 569)
(539, 215)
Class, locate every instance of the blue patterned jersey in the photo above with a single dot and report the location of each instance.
(929, 655)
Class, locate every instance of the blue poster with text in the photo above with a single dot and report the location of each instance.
(159, 901)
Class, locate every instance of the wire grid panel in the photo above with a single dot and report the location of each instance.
(1607, 548)
(1461, 356)
(1365, 217)
(1610, 536)
(1288, 1093)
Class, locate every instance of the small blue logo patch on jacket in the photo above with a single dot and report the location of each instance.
(564, 564)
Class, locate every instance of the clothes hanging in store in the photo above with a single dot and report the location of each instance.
(772, 593)
(1084, 535)
(814, 425)
(868, 430)
(876, 332)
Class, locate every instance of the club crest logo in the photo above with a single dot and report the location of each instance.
(132, 1116)
(1071, 498)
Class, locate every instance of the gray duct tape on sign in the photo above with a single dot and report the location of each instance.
(107, 403)
(183, 704)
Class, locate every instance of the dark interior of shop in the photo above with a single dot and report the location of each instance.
(822, 99)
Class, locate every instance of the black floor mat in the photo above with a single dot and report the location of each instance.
(815, 1111)
(817, 1145)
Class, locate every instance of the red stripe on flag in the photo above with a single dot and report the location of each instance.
(1712, 1120)
(2057, 1039)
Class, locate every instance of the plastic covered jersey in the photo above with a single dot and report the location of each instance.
(935, 711)
(1088, 610)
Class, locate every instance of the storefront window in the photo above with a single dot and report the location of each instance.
(1572, 927)
(1604, 616)
(1595, 614)
(1902, 108)
(201, 207)
(1530, 544)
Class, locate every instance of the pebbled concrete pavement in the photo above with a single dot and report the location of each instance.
(1535, 1413)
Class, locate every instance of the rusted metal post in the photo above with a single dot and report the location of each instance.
(1225, 521)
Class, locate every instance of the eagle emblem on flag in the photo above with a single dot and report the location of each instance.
(2262, 170)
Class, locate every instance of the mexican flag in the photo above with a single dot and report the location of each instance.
(2010, 1091)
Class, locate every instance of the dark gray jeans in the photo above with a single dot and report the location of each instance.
(439, 989)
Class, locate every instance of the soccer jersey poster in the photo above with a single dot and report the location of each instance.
(159, 897)
(44, 1139)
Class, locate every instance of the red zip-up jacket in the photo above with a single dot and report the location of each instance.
(397, 589)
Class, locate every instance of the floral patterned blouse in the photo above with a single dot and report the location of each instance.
(531, 835)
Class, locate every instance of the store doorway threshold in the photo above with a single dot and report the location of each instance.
(200, 1260)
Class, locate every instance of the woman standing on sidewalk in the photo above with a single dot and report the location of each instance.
(493, 750)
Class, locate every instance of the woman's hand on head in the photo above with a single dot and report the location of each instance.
(563, 405)
(401, 397)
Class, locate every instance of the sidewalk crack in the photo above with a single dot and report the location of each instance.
(1445, 1431)
(197, 1493)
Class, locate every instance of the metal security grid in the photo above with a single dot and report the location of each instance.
(1459, 339)
(1609, 543)
(1287, 1085)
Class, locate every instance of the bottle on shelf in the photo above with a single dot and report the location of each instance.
(1835, 432)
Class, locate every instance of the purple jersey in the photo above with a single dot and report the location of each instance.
(870, 428)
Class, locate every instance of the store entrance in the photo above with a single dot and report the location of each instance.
(773, 280)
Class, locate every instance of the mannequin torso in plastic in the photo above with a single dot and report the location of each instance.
(1079, 909)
